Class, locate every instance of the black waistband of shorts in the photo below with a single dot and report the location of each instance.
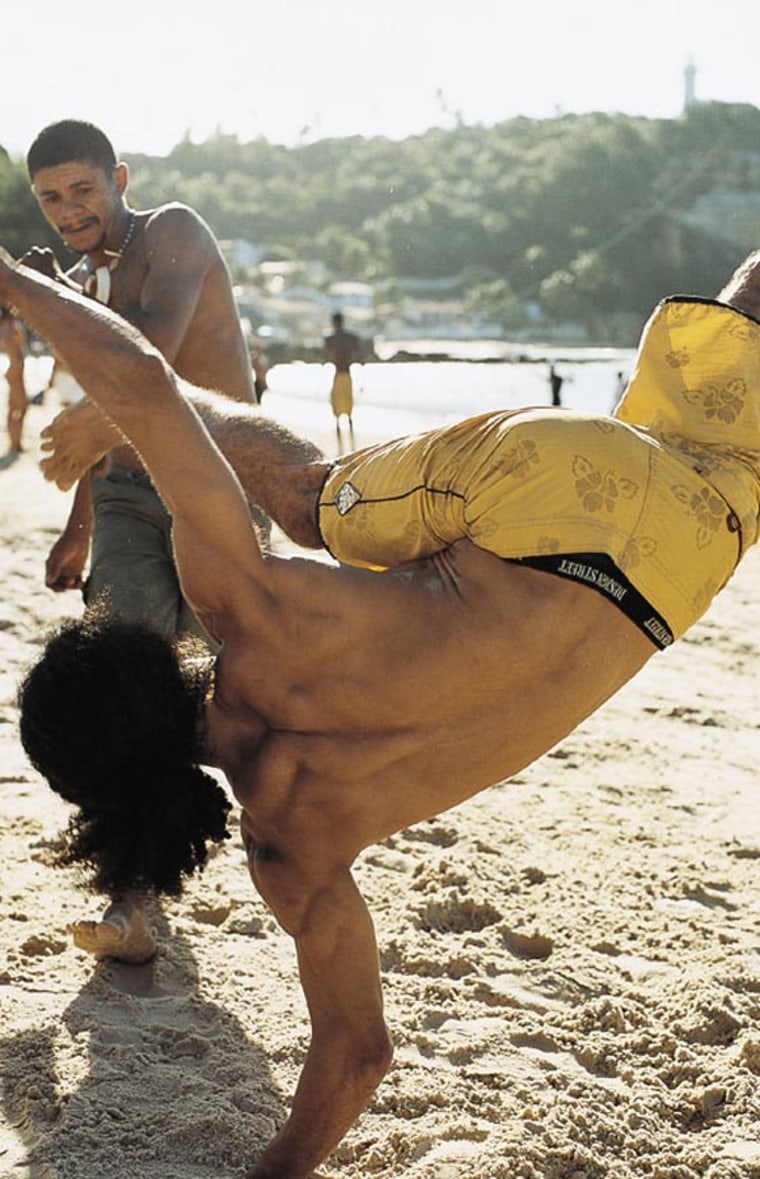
(599, 572)
(318, 505)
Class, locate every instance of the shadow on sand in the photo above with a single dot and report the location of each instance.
(139, 1076)
(8, 459)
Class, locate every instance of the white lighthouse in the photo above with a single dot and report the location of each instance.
(690, 85)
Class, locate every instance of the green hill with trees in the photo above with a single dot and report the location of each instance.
(586, 217)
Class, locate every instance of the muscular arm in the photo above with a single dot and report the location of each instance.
(67, 558)
(279, 472)
(350, 1049)
(180, 252)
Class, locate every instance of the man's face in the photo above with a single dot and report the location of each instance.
(80, 201)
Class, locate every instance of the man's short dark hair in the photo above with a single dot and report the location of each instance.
(68, 140)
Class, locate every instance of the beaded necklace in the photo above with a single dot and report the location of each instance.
(98, 282)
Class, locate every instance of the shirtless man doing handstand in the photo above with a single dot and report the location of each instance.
(537, 561)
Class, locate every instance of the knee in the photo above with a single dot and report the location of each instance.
(743, 288)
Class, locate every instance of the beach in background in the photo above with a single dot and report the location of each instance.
(417, 394)
(571, 960)
(402, 396)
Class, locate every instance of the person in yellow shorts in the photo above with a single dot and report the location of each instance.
(342, 349)
(346, 704)
(652, 508)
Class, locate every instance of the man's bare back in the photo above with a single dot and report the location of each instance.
(356, 704)
(342, 348)
(478, 667)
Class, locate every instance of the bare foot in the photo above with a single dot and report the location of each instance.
(122, 933)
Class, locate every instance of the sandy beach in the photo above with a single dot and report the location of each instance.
(571, 960)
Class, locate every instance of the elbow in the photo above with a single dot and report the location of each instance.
(373, 1061)
(371, 1064)
(362, 1057)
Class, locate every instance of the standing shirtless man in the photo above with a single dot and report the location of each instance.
(162, 271)
(346, 704)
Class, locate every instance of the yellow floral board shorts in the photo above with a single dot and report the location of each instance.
(647, 522)
(342, 394)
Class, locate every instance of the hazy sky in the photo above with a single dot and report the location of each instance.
(150, 71)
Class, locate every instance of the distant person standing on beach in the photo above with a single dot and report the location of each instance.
(621, 383)
(13, 344)
(343, 349)
(555, 382)
(259, 364)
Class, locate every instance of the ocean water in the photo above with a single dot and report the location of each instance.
(401, 397)
(422, 394)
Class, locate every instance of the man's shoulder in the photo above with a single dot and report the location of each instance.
(176, 221)
(171, 212)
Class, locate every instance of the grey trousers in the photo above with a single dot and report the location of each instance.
(131, 564)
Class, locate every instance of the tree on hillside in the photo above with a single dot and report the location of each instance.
(21, 224)
(585, 212)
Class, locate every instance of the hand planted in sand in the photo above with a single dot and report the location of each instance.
(74, 441)
(122, 933)
(64, 568)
